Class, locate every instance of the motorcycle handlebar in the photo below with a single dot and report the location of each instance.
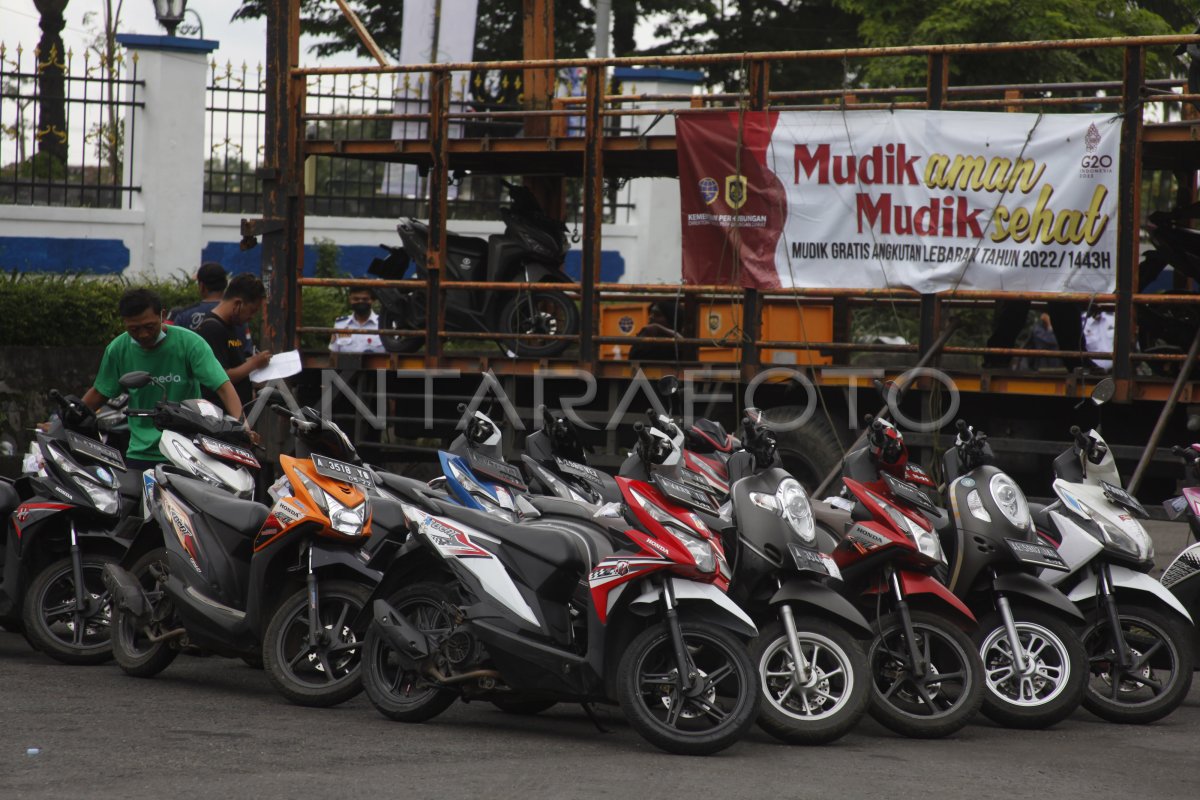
(1081, 439)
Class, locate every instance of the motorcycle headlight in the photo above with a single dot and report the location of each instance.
(315, 492)
(793, 502)
(345, 520)
(1132, 540)
(926, 541)
(1011, 500)
(104, 499)
(702, 550)
(99, 486)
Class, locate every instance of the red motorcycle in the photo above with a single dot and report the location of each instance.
(927, 675)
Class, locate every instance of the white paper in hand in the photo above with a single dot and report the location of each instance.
(281, 365)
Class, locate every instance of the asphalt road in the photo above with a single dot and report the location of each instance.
(213, 728)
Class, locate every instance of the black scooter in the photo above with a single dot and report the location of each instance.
(531, 250)
(78, 512)
(814, 673)
(556, 463)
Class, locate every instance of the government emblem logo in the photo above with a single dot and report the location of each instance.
(709, 190)
(736, 191)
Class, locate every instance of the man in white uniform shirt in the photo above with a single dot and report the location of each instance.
(362, 318)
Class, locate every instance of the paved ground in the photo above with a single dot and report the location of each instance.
(212, 728)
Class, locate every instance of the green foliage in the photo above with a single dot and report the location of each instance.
(72, 310)
(329, 257)
(963, 21)
(42, 310)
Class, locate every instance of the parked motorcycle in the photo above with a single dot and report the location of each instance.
(531, 250)
(1182, 576)
(1139, 638)
(811, 665)
(78, 511)
(928, 680)
(478, 606)
(556, 463)
(243, 579)
(1035, 667)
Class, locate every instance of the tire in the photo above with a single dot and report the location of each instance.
(396, 693)
(327, 674)
(556, 314)
(810, 451)
(520, 706)
(688, 732)
(840, 690)
(49, 618)
(134, 653)
(896, 702)
(1170, 664)
(1055, 690)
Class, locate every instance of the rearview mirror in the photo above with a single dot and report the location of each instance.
(135, 380)
(668, 385)
(1103, 391)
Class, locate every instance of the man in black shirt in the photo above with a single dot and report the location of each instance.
(241, 302)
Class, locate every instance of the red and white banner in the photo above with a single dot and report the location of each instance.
(928, 200)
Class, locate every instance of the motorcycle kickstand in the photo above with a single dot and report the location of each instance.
(591, 714)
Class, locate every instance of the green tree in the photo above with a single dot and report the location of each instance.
(961, 21)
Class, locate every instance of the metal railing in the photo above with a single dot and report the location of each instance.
(66, 128)
(365, 108)
(744, 346)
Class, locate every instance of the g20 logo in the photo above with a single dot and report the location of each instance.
(1096, 162)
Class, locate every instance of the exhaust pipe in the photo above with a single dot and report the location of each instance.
(127, 593)
(411, 645)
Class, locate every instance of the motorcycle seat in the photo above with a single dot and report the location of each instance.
(544, 543)
(243, 516)
(9, 498)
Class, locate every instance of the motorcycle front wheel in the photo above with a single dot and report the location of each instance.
(937, 703)
(833, 699)
(321, 673)
(1051, 689)
(1160, 675)
(548, 312)
(715, 713)
(54, 621)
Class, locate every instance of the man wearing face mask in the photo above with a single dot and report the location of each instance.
(363, 318)
(179, 359)
(220, 328)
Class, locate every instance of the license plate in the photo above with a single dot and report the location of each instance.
(1123, 498)
(340, 470)
(227, 451)
(496, 470)
(1035, 554)
(680, 493)
(95, 450)
(568, 467)
(809, 560)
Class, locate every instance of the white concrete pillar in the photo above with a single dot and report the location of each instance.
(658, 254)
(165, 154)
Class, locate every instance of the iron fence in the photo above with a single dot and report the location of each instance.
(364, 107)
(67, 131)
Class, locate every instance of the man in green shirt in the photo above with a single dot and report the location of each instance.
(178, 358)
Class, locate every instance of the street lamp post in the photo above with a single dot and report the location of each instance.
(170, 13)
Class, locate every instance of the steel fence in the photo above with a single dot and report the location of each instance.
(66, 128)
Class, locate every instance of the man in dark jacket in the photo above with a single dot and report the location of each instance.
(241, 303)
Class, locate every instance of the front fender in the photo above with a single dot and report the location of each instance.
(705, 601)
(825, 600)
(916, 584)
(1126, 581)
(340, 556)
(1031, 588)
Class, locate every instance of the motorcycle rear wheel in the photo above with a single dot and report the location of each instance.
(549, 312)
(937, 705)
(838, 696)
(52, 622)
(396, 693)
(135, 654)
(702, 722)
(1050, 695)
(1157, 683)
